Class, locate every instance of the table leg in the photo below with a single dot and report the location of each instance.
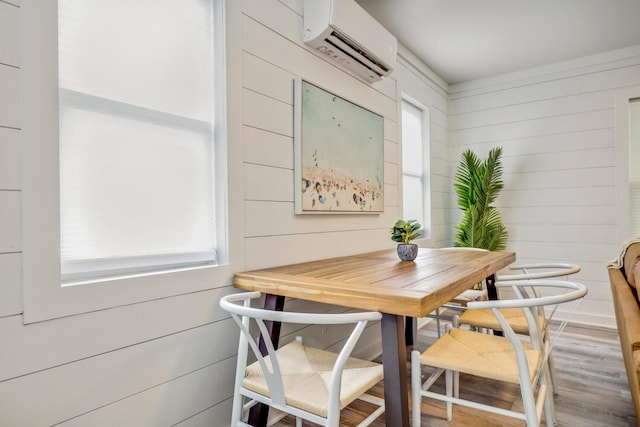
(394, 361)
(492, 292)
(410, 332)
(259, 414)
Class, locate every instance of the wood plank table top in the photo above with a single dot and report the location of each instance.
(379, 281)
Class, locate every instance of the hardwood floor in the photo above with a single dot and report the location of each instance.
(592, 383)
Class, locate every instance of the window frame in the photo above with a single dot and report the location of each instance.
(44, 297)
(632, 164)
(622, 99)
(426, 169)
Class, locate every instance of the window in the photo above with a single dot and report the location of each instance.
(415, 164)
(151, 120)
(137, 146)
(634, 166)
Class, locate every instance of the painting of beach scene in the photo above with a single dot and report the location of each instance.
(339, 150)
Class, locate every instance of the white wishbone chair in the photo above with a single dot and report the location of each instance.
(309, 383)
(505, 358)
(485, 319)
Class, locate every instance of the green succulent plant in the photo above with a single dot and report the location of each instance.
(405, 231)
(477, 184)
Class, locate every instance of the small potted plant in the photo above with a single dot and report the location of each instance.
(404, 232)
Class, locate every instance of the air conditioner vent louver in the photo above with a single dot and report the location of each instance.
(343, 31)
(353, 51)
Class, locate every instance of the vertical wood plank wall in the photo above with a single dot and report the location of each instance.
(171, 361)
(557, 127)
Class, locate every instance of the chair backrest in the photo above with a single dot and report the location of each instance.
(573, 291)
(239, 306)
(531, 271)
(530, 303)
(549, 270)
(540, 271)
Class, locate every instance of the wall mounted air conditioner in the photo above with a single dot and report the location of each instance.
(344, 31)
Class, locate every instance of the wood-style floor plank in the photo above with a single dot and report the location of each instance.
(592, 383)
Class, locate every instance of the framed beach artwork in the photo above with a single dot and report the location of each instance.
(339, 154)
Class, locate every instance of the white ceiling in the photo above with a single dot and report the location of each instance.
(463, 40)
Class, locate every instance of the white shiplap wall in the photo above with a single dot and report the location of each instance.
(557, 127)
(170, 361)
(273, 56)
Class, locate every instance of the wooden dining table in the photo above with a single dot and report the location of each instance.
(378, 281)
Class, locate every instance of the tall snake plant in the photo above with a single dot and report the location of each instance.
(478, 183)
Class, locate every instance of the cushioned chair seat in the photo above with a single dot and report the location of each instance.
(483, 355)
(306, 375)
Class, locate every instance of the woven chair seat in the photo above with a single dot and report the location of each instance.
(478, 354)
(306, 375)
(484, 318)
